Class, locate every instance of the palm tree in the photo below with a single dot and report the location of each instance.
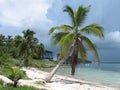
(17, 40)
(27, 46)
(72, 38)
(2, 44)
(9, 44)
(41, 50)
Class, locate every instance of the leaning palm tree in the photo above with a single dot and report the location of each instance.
(27, 46)
(72, 39)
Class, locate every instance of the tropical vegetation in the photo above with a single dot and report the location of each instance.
(24, 48)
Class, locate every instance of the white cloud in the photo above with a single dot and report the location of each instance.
(16, 12)
(113, 36)
(1, 1)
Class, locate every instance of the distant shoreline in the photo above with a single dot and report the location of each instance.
(111, 62)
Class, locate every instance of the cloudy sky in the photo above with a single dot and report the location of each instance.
(41, 15)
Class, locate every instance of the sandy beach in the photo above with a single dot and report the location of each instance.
(59, 82)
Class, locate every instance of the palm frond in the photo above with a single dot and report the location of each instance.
(22, 48)
(81, 15)
(66, 43)
(57, 37)
(91, 46)
(82, 52)
(70, 11)
(28, 33)
(61, 27)
(94, 29)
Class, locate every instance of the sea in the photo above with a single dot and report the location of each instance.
(107, 74)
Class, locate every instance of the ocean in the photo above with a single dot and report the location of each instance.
(105, 73)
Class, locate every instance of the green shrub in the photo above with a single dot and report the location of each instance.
(15, 75)
(1, 82)
(5, 71)
(4, 59)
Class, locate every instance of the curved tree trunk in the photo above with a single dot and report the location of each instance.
(52, 73)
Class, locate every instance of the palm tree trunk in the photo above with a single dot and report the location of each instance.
(73, 69)
(52, 73)
(15, 83)
(74, 60)
(26, 62)
(21, 63)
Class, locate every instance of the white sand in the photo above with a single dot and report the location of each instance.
(57, 83)
(5, 79)
(64, 83)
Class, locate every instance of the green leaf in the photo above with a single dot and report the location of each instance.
(91, 46)
(66, 43)
(81, 15)
(64, 28)
(82, 52)
(94, 29)
(57, 37)
(70, 11)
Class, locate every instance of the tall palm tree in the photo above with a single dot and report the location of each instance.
(72, 38)
(27, 46)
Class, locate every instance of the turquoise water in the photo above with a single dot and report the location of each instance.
(106, 74)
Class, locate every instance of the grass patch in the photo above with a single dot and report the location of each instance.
(43, 63)
(10, 63)
(19, 88)
(40, 82)
(1, 82)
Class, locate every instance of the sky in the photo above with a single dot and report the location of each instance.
(41, 15)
